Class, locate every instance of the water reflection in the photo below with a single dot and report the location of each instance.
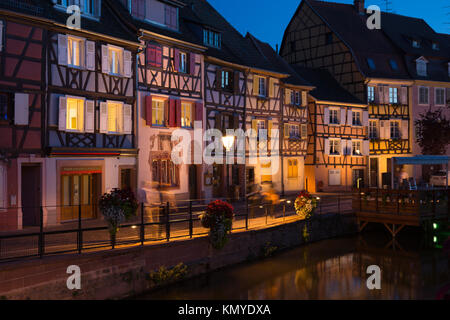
(332, 269)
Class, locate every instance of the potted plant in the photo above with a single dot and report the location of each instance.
(117, 206)
(305, 205)
(218, 218)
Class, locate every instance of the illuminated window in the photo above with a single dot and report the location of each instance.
(158, 112)
(211, 38)
(370, 94)
(183, 62)
(115, 60)
(186, 115)
(114, 117)
(227, 80)
(75, 50)
(393, 95)
(75, 114)
(90, 7)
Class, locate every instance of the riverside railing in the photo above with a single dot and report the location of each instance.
(154, 224)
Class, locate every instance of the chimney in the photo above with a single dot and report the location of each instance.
(359, 5)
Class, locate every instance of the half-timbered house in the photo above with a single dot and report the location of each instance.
(427, 58)
(335, 37)
(170, 97)
(22, 85)
(338, 146)
(90, 118)
(283, 107)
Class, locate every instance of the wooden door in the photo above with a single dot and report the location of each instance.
(78, 192)
(31, 195)
(374, 173)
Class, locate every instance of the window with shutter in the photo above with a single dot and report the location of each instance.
(114, 117)
(393, 95)
(75, 114)
(89, 119)
(186, 115)
(90, 55)
(370, 94)
(75, 52)
(127, 119)
(304, 131)
(158, 112)
(154, 55)
(103, 117)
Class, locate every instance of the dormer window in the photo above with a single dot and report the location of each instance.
(421, 65)
(88, 7)
(371, 63)
(157, 12)
(416, 43)
(393, 64)
(212, 38)
(435, 46)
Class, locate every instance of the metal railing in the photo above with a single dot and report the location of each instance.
(152, 224)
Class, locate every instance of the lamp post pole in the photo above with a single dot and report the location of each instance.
(228, 142)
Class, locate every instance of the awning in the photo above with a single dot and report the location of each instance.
(419, 160)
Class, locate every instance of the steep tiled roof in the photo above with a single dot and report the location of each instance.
(402, 30)
(350, 26)
(327, 88)
(276, 62)
(45, 9)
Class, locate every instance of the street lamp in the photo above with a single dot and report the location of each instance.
(228, 142)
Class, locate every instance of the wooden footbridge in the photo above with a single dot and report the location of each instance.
(396, 209)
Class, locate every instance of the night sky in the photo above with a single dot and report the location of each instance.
(267, 19)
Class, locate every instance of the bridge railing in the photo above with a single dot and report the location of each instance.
(421, 203)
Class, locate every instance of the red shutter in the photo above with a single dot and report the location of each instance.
(172, 112)
(150, 54)
(176, 59)
(199, 111)
(192, 64)
(148, 110)
(178, 106)
(158, 56)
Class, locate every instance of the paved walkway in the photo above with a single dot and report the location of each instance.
(95, 235)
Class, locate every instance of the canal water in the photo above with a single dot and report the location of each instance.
(330, 269)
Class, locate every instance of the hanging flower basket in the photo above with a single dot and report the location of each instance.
(117, 207)
(218, 218)
(305, 205)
